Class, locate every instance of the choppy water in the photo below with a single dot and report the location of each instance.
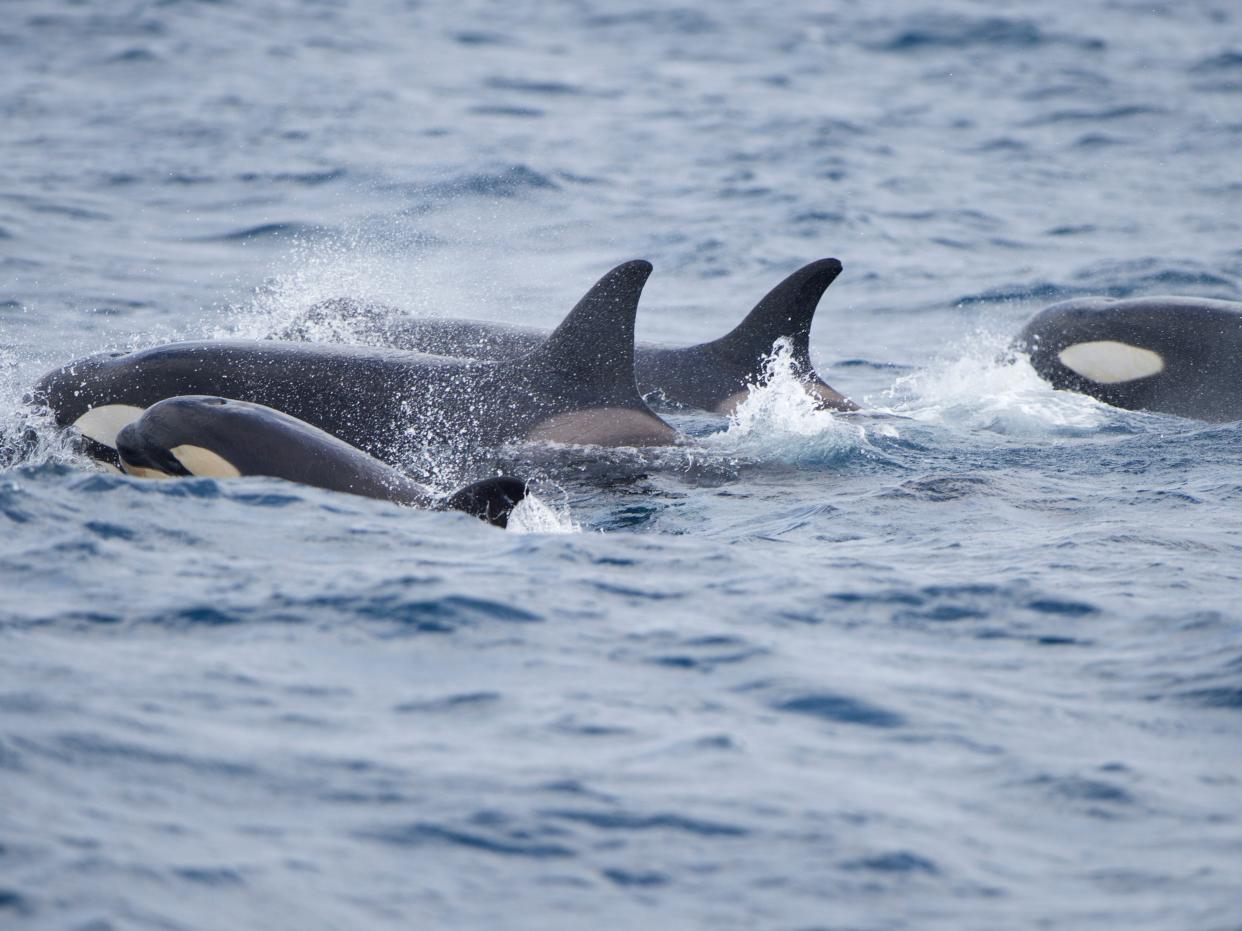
(974, 661)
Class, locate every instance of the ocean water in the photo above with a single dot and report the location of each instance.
(969, 660)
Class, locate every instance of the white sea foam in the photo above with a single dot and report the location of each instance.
(987, 388)
(534, 515)
(780, 421)
(28, 436)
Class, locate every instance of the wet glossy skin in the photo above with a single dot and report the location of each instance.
(712, 376)
(1186, 353)
(391, 403)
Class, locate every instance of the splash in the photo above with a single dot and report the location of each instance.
(355, 265)
(533, 515)
(989, 388)
(30, 438)
(780, 421)
(28, 435)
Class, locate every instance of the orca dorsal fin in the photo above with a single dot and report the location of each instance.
(595, 342)
(786, 311)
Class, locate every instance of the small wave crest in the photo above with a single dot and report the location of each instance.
(951, 31)
(988, 388)
(779, 421)
(534, 515)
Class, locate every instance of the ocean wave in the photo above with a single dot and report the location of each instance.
(506, 110)
(1105, 115)
(509, 181)
(539, 88)
(989, 630)
(1229, 60)
(948, 31)
(288, 230)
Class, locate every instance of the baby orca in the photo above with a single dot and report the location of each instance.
(220, 438)
(713, 376)
(1176, 355)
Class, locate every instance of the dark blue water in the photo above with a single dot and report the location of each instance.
(973, 661)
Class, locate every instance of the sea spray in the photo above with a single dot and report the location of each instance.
(986, 387)
(28, 435)
(780, 421)
(534, 515)
(357, 265)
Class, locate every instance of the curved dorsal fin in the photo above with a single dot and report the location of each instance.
(786, 311)
(595, 341)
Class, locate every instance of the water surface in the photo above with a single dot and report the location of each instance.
(972, 660)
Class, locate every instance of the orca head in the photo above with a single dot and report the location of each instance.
(72, 394)
(174, 438)
(1099, 346)
(1110, 361)
(101, 425)
(77, 392)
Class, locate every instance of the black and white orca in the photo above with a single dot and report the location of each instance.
(713, 376)
(1176, 355)
(576, 386)
(220, 438)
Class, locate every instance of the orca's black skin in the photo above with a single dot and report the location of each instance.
(714, 376)
(218, 437)
(1198, 342)
(490, 499)
(577, 386)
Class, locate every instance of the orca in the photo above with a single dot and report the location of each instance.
(1175, 355)
(211, 437)
(576, 386)
(713, 376)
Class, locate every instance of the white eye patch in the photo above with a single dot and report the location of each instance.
(102, 424)
(204, 463)
(1107, 362)
(141, 472)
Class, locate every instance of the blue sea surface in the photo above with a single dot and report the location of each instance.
(970, 660)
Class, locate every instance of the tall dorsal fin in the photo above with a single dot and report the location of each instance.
(786, 311)
(595, 342)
